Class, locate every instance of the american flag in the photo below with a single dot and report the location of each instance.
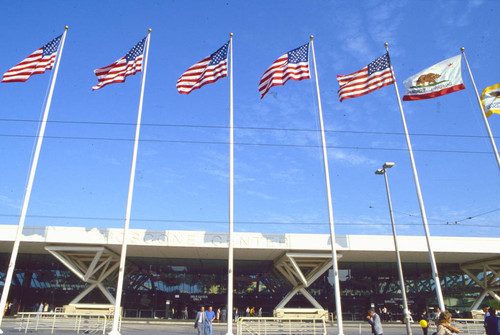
(375, 75)
(292, 65)
(36, 63)
(128, 65)
(206, 71)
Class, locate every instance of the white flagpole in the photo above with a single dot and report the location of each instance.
(121, 271)
(435, 275)
(483, 114)
(230, 259)
(336, 280)
(27, 194)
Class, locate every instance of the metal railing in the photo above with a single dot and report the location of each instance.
(469, 326)
(466, 327)
(52, 321)
(289, 326)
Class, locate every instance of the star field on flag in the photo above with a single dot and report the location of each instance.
(38, 62)
(292, 65)
(128, 65)
(375, 75)
(207, 71)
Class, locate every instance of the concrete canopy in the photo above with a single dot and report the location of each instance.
(252, 246)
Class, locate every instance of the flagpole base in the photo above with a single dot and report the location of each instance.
(1, 331)
(114, 332)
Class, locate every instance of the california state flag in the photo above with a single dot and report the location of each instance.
(440, 79)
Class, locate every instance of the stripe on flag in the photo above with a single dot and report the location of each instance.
(292, 65)
(375, 75)
(37, 63)
(206, 71)
(128, 65)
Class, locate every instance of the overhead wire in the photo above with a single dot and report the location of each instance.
(475, 216)
(62, 217)
(452, 221)
(245, 143)
(243, 128)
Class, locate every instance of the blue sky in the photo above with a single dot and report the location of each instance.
(182, 168)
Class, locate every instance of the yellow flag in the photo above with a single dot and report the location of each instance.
(491, 99)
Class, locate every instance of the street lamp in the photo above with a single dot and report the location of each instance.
(406, 312)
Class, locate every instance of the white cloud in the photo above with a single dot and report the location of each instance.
(9, 202)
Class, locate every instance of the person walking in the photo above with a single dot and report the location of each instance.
(491, 322)
(209, 319)
(218, 315)
(199, 322)
(486, 314)
(384, 315)
(374, 320)
(437, 314)
(444, 326)
(224, 315)
(424, 322)
(410, 317)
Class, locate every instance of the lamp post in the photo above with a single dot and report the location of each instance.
(406, 312)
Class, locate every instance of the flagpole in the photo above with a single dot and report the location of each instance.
(121, 271)
(336, 280)
(230, 259)
(483, 114)
(435, 275)
(27, 194)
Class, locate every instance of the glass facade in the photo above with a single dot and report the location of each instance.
(156, 287)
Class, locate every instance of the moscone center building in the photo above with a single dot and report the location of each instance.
(168, 272)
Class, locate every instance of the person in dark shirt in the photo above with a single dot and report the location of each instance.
(491, 322)
(426, 318)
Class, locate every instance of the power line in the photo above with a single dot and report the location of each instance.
(452, 222)
(243, 128)
(236, 222)
(475, 216)
(416, 216)
(244, 143)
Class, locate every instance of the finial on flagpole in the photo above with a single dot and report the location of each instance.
(66, 27)
(386, 44)
(231, 35)
(149, 30)
(311, 37)
(462, 49)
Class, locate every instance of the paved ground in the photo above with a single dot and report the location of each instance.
(177, 328)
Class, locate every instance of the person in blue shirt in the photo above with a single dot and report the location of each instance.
(209, 318)
(486, 314)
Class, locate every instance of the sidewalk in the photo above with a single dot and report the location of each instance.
(178, 327)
